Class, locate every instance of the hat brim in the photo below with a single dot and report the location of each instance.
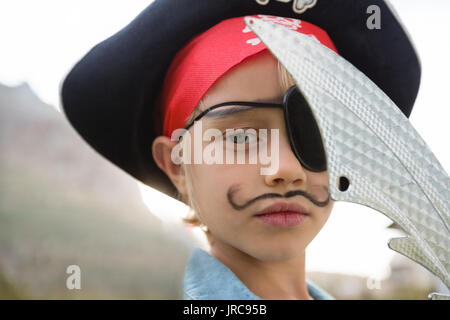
(109, 95)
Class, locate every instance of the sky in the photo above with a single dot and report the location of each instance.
(41, 40)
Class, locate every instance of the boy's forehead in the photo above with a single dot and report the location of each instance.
(254, 79)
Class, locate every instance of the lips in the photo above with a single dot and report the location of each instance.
(283, 207)
(283, 215)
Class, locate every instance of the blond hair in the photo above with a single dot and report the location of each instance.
(193, 218)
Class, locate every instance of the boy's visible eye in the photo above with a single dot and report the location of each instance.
(242, 137)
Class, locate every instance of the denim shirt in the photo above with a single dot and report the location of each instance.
(206, 278)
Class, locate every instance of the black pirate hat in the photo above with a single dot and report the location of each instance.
(110, 94)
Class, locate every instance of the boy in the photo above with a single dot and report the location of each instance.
(216, 74)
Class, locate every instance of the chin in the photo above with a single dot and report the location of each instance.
(278, 252)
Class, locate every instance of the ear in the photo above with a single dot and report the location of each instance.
(162, 153)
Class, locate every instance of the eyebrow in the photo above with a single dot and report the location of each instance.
(233, 109)
(229, 110)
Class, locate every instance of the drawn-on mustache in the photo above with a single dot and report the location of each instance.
(234, 188)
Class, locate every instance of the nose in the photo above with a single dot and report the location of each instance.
(290, 171)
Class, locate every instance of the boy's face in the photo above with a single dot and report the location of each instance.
(219, 189)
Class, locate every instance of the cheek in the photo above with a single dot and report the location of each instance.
(326, 211)
(222, 176)
(322, 215)
(210, 184)
(318, 178)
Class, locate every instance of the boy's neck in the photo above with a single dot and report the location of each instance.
(283, 280)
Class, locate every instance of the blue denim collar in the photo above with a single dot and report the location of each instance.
(206, 278)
